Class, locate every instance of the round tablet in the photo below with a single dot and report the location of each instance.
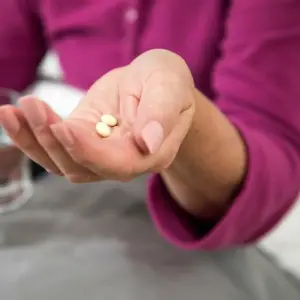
(109, 120)
(103, 129)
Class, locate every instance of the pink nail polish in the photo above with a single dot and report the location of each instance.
(153, 136)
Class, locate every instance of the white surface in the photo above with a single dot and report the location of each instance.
(51, 66)
(61, 98)
(283, 242)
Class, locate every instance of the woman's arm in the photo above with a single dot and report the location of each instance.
(21, 44)
(251, 148)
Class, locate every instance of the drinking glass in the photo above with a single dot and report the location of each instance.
(16, 186)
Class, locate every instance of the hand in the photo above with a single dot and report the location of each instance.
(153, 100)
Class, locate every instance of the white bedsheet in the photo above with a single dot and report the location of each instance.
(283, 242)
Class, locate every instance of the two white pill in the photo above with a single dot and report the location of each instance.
(104, 127)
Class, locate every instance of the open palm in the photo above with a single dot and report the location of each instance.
(154, 111)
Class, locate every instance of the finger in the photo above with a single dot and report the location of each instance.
(130, 90)
(17, 128)
(40, 117)
(128, 108)
(161, 107)
(101, 98)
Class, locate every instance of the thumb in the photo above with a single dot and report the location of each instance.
(160, 109)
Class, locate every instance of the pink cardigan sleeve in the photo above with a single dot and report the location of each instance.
(21, 44)
(258, 83)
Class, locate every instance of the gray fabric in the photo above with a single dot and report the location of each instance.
(97, 241)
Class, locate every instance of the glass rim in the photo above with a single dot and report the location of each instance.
(11, 94)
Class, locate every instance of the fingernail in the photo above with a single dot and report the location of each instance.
(63, 135)
(10, 123)
(35, 113)
(53, 172)
(153, 136)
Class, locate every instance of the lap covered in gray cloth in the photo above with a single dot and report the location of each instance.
(96, 241)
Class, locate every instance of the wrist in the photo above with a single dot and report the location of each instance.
(210, 164)
(194, 200)
(208, 198)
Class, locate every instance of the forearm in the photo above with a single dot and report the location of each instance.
(210, 164)
(260, 95)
